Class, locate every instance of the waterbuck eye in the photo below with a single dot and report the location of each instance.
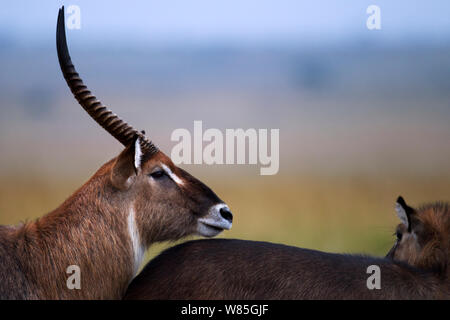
(158, 174)
(399, 235)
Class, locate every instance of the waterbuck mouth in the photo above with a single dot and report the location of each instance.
(218, 229)
(219, 218)
(208, 229)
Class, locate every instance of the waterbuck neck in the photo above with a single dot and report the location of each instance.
(95, 230)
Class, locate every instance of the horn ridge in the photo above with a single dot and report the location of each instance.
(108, 120)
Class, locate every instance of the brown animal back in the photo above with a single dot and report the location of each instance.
(237, 269)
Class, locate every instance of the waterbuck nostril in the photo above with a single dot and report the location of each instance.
(226, 214)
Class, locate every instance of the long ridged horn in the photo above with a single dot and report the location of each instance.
(118, 128)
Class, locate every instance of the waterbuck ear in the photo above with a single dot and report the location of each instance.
(127, 165)
(404, 212)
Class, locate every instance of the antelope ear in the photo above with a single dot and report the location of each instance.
(404, 212)
(127, 165)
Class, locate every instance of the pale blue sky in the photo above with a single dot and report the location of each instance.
(231, 20)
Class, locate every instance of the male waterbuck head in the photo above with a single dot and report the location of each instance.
(135, 199)
(423, 236)
(145, 178)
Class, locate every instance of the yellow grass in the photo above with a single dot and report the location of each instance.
(331, 213)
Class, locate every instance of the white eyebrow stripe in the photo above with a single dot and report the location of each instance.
(172, 175)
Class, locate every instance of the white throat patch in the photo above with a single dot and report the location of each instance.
(138, 248)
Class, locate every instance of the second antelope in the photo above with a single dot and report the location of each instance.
(415, 268)
(104, 228)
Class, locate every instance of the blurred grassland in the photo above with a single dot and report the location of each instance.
(360, 124)
(338, 213)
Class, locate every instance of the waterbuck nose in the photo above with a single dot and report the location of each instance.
(226, 214)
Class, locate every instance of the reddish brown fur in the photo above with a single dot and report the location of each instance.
(90, 230)
(87, 230)
(105, 227)
(427, 244)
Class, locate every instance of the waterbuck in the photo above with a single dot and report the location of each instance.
(104, 228)
(415, 268)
